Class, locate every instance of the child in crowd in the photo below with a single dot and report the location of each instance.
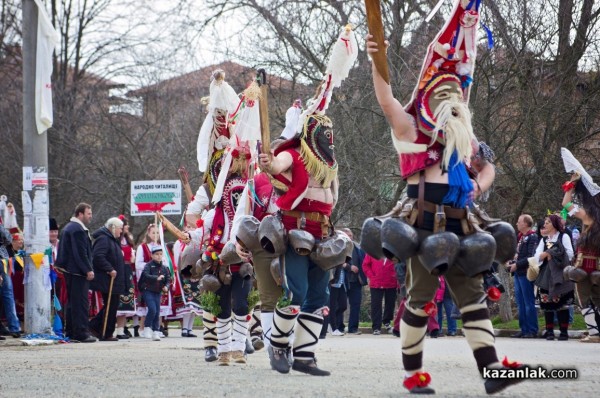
(155, 279)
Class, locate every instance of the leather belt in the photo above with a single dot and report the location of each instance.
(451, 212)
(314, 216)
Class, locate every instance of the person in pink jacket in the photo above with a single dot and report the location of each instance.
(382, 283)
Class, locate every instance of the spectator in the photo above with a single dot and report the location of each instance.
(128, 299)
(143, 255)
(382, 283)
(445, 303)
(108, 265)
(355, 281)
(155, 280)
(17, 273)
(75, 260)
(6, 287)
(555, 294)
(60, 286)
(527, 243)
(338, 300)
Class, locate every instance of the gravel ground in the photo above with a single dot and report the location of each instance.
(362, 366)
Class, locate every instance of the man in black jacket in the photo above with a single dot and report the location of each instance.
(108, 265)
(355, 281)
(527, 243)
(75, 260)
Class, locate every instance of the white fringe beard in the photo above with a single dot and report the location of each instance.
(454, 119)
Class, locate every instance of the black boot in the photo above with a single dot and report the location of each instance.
(493, 386)
(210, 354)
(249, 347)
(136, 331)
(279, 358)
(309, 367)
(126, 331)
(563, 323)
(549, 316)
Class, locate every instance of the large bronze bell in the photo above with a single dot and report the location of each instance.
(506, 240)
(370, 237)
(209, 283)
(399, 240)
(438, 252)
(477, 253)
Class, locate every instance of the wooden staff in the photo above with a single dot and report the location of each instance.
(107, 307)
(184, 178)
(375, 24)
(265, 133)
(174, 230)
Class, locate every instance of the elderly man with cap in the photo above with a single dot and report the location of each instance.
(307, 168)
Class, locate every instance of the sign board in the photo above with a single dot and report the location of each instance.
(148, 197)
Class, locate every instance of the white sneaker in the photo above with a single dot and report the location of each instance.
(147, 333)
(337, 333)
(155, 336)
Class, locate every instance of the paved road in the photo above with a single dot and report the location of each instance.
(362, 366)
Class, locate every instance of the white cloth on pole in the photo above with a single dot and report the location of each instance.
(47, 40)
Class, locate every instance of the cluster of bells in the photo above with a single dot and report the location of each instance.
(577, 274)
(474, 254)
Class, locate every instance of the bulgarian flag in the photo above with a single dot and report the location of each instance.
(167, 253)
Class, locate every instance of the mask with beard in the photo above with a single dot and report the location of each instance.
(445, 117)
(317, 149)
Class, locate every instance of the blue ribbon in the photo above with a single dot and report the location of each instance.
(490, 36)
(459, 182)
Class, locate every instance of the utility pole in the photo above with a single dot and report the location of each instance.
(35, 194)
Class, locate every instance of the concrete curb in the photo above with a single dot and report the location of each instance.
(573, 334)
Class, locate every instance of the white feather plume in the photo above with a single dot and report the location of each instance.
(343, 56)
(247, 127)
(291, 122)
(222, 96)
(573, 165)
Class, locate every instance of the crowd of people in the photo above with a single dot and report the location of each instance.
(263, 213)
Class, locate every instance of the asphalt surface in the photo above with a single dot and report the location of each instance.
(361, 366)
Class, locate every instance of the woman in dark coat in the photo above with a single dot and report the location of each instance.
(554, 252)
(108, 264)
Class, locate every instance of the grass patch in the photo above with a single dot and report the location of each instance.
(578, 323)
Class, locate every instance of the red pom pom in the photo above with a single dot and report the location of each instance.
(235, 153)
(494, 293)
(248, 317)
(567, 186)
(510, 364)
(121, 217)
(419, 379)
(199, 223)
(430, 308)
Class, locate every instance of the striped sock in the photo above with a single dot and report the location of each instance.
(413, 327)
(480, 334)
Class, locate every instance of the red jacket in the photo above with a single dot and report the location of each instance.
(381, 273)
